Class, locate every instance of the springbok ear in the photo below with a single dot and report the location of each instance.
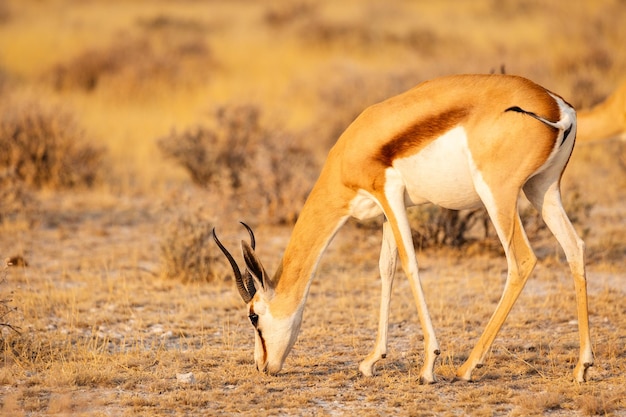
(255, 267)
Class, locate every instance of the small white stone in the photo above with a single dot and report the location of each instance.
(157, 328)
(187, 378)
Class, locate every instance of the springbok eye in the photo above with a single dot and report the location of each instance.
(254, 319)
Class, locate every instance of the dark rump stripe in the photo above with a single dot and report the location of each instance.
(416, 135)
(531, 114)
(520, 110)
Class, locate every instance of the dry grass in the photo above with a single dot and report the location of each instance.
(105, 331)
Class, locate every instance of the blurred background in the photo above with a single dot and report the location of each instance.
(244, 98)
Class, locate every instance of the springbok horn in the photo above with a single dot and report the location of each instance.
(249, 280)
(252, 241)
(243, 291)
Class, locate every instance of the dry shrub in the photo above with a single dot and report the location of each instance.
(87, 70)
(586, 91)
(246, 163)
(434, 226)
(44, 148)
(172, 25)
(188, 252)
(139, 65)
(365, 31)
(4, 80)
(5, 305)
(279, 14)
(5, 13)
(17, 202)
(217, 158)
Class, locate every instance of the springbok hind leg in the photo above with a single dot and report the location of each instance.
(546, 198)
(387, 266)
(520, 260)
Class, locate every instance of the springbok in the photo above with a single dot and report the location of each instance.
(458, 142)
(606, 120)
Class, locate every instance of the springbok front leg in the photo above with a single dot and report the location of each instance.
(546, 198)
(387, 266)
(393, 203)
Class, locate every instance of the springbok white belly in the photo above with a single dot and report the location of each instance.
(439, 173)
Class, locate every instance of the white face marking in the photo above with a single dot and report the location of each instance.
(440, 173)
(274, 337)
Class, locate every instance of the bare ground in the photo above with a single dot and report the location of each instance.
(103, 334)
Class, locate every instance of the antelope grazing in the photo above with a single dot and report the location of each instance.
(458, 142)
(605, 120)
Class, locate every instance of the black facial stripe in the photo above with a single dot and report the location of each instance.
(262, 345)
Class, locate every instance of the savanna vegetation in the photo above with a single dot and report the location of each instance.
(129, 129)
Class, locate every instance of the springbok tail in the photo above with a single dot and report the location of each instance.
(564, 124)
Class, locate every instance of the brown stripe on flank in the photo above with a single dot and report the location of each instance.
(418, 135)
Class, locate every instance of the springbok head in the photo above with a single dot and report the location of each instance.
(275, 334)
